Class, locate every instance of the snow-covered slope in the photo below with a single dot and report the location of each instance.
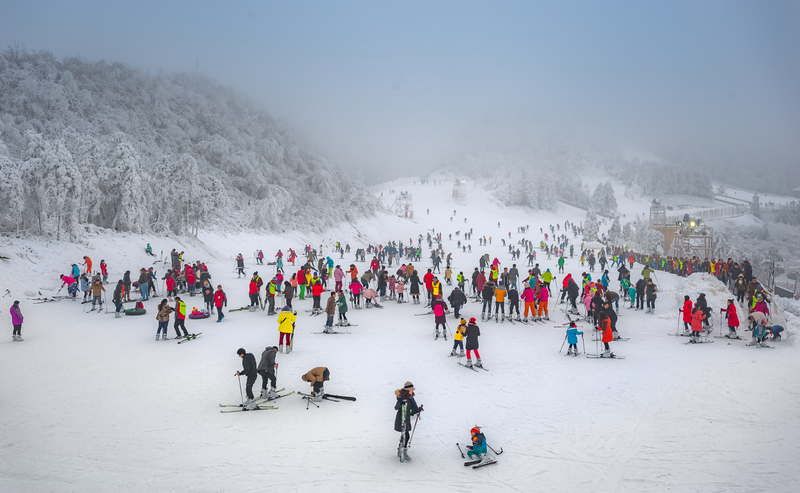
(91, 403)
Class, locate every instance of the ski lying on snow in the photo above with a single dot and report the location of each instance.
(596, 356)
(730, 338)
(260, 401)
(243, 409)
(476, 463)
(701, 341)
(331, 333)
(189, 338)
(422, 314)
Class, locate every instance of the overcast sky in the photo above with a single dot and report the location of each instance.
(403, 84)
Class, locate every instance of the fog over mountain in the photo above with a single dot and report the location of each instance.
(391, 89)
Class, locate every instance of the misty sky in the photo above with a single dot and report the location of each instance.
(402, 85)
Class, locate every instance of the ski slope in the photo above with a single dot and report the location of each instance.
(95, 404)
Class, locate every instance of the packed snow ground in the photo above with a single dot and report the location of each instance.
(91, 403)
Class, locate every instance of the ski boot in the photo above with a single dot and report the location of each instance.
(569, 351)
(437, 336)
(280, 348)
(469, 363)
(264, 394)
(478, 363)
(607, 354)
(19, 338)
(158, 337)
(461, 355)
(406, 458)
(518, 319)
(14, 339)
(288, 349)
(444, 333)
(317, 396)
(547, 317)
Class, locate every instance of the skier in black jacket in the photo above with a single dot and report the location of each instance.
(249, 370)
(457, 300)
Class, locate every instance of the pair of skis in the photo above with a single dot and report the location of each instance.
(260, 404)
(189, 338)
(486, 461)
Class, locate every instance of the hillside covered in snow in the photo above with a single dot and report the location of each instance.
(105, 144)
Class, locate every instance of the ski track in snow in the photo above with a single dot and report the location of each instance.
(91, 403)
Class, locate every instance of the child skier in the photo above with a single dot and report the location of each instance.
(572, 339)
(400, 287)
(458, 339)
(478, 448)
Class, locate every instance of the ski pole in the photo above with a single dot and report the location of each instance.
(495, 451)
(562, 345)
(408, 445)
(584, 344)
(459, 449)
(240, 387)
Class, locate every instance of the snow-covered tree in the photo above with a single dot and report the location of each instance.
(12, 199)
(61, 190)
(126, 195)
(627, 233)
(591, 227)
(615, 232)
(755, 206)
(603, 197)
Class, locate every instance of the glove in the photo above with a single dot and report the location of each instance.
(295, 312)
(421, 409)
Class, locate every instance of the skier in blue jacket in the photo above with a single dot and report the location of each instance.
(572, 339)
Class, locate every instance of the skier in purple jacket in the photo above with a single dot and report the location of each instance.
(16, 321)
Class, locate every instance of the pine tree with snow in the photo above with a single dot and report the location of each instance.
(126, 196)
(755, 206)
(591, 227)
(615, 231)
(61, 190)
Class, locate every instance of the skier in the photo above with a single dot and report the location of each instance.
(97, 292)
(561, 264)
(208, 296)
(87, 263)
(16, 322)
(604, 325)
(239, 265)
(180, 318)
(478, 447)
(488, 295)
(698, 315)
(104, 271)
(406, 407)
(220, 299)
(342, 304)
(687, 315)
(458, 338)
(414, 289)
(543, 297)
(266, 368)
(163, 319)
(572, 339)
(249, 370)
(439, 307)
(651, 290)
(317, 378)
(457, 299)
(330, 311)
(286, 328)
(500, 301)
(472, 333)
(733, 319)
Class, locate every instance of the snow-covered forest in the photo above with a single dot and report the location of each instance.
(538, 175)
(96, 143)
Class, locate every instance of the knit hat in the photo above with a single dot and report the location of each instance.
(472, 320)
